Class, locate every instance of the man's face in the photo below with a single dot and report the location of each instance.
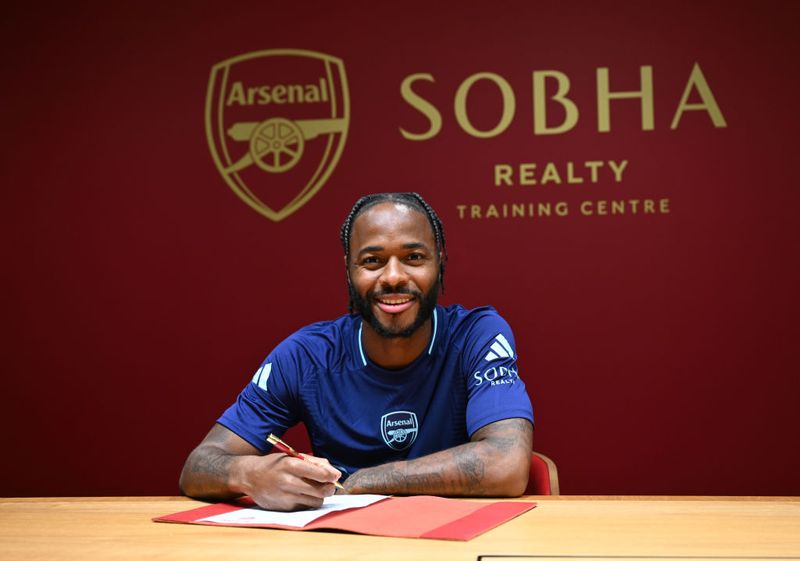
(394, 269)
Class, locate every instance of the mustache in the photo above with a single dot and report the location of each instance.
(393, 292)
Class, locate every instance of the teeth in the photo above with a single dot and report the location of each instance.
(395, 302)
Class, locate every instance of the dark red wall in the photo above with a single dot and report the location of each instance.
(140, 293)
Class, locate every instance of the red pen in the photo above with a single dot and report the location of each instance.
(286, 449)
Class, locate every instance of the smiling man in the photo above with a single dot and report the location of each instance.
(401, 396)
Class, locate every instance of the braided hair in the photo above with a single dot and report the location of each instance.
(411, 200)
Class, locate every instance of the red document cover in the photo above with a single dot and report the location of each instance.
(401, 517)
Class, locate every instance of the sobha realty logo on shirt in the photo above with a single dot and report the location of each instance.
(502, 350)
(276, 124)
(399, 429)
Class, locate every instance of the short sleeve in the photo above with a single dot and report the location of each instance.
(268, 404)
(495, 390)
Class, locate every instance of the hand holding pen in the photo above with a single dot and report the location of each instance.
(286, 449)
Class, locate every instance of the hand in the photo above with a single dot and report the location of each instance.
(281, 482)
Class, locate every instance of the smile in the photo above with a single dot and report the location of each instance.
(395, 304)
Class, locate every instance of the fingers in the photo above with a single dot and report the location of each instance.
(308, 477)
(283, 482)
(331, 473)
(287, 501)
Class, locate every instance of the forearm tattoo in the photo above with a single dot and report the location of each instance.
(462, 470)
(212, 465)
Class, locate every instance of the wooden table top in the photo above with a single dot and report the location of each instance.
(94, 528)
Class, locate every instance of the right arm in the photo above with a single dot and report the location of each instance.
(225, 466)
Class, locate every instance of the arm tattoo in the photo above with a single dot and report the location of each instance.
(215, 465)
(507, 435)
(472, 469)
(390, 478)
(498, 451)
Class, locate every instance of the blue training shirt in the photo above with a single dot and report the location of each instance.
(360, 415)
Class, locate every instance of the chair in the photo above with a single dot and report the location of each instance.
(543, 476)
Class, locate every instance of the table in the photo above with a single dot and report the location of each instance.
(89, 529)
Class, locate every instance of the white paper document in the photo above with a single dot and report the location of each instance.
(256, 515)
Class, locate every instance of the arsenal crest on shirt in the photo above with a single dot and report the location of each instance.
(399, 429)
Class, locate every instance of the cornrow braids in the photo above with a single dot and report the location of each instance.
(411, 200)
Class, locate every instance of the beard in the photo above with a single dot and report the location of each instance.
(427, 303)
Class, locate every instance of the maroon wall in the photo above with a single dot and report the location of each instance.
(141, 293)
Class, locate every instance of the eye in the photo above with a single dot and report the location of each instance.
(370, 261)
(415, 257)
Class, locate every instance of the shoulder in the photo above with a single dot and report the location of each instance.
(320, 342)
(464, 321)
(479, 332)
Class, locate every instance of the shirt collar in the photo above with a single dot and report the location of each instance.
(435, 319)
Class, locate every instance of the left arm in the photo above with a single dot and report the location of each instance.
(494, 463)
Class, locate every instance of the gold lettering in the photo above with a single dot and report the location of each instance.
(593, 166)
(509, 105)
(277, 94)
(423, 106)
(540, 107)
(252, 91)
(236, 95)
(571, 174)
(502, 174)
(709, 103)
(323, 88)
(620, 206)
(311, 93)
(550, 174)
(604, 97)
(618, 168)
(513, 210)
(545, 209)
(526, 172)
(296, 93)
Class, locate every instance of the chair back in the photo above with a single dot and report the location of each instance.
(543, 476)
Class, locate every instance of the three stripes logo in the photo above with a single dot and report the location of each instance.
(498, 374)
(262, 375)
(501, 348)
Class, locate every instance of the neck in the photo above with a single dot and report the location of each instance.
(397, 352)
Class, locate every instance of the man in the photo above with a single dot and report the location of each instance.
(402, 397)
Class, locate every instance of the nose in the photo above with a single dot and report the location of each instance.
(394, 274)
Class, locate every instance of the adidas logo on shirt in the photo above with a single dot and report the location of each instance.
(498, 375)
(501, 348)
(262, 375)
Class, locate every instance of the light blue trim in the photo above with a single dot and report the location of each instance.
(430, 348)
(433, 337)
(360, 347)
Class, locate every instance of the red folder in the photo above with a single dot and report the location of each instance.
(401, 517)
